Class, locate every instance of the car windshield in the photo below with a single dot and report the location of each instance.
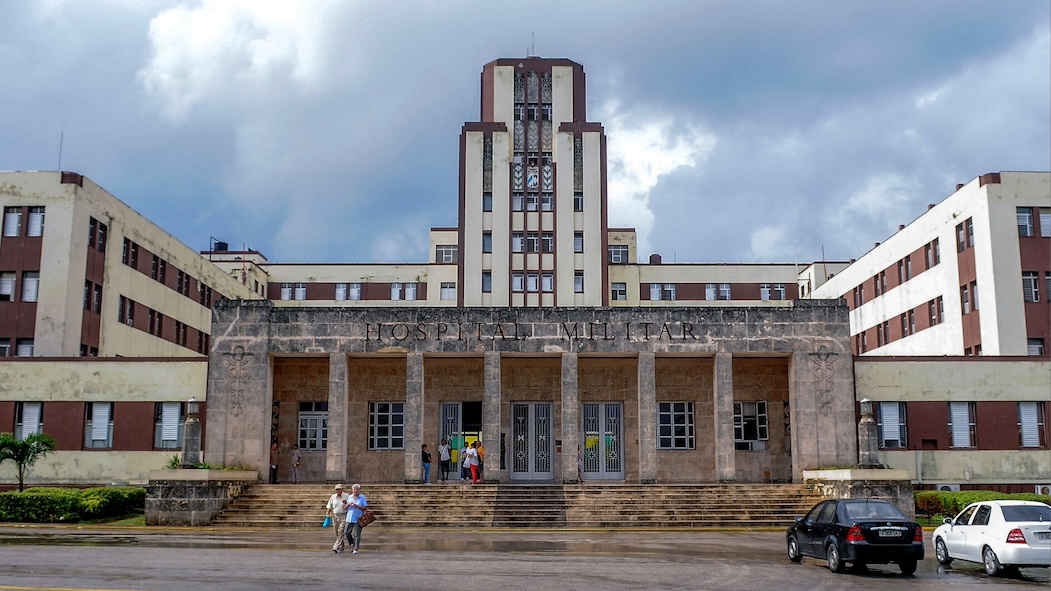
(871, 510)
(1027, 513)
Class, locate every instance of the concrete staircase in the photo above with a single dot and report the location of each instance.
(520, 506)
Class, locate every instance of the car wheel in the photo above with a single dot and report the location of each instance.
(941, 552)
(835, 561)
(991, 562)
(907, 566)
(793, 549)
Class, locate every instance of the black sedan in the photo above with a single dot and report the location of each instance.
(858, 531)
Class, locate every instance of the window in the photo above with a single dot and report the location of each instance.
(103, 231)
(669, 292)
(970, 231)
(410, 291)
(890, 423)
(448, 291)
(578, 241)
(1035, 346)
(928, 256)
(168, 423)
(655, 291)
(518, 201)
(517, 242)
(724, 291)
(533, 242)
(286, 291)
(578, 282)
(96, 299)
(487, 281)
(1031, 424)
(162, 270)
(5, 347)
(1025, 221)
(354, 291)
(517, 282)
(395, 291)
(532, 282)
(618, 254)
(12, 221)
(974, 295)
(879, 335)
(961, 424)
(24, 348)
(764, 291)
(1045, 222)
(29, 419)
(487, 242)
(780, 293)
(912, 321)
(961, 243)
(532, 201)
(533, 112)
(547, 201)
(901, 272)
(125, 251)
(904, 325)
(965, 299)
(1030, 286)
(445, 253)
(545, 111)
(519, 112)
(861, 294)
(7, 287)
(675, 427)
(750, 426)
(487, 203)
(619, 292)
(36, 222)
(578, 201)
(386, 425)
(98, 425)
(341, 292)
(547, 282)
(547, 242)
(313, 426)
(301, 291)
(937, 251)
(709, 292)
(154, 264)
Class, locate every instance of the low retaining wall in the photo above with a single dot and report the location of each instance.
(893, 486)
(193, 497)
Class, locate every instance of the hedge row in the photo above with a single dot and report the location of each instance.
(933, 502)
(49, 505)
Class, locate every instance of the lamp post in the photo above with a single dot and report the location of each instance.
(191, 436)
(868, 437)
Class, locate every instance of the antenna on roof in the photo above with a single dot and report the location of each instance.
(61, 135)
(532, 43)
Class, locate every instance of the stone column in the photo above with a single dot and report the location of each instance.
(491, 418)
(413, 417)
(571, 438)
(824, 431)
(647, 418)
(338, 419)
(725, 456)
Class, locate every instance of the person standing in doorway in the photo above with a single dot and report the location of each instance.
(425, 457)
(580, 465)
(444, 456)
(481, 459)
(275, 457)
(297, 458)
(465, 464)
(472, 461)
(336, 508)
(356, 504)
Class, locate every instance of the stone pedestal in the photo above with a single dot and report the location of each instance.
(192, 497)
(893, 486)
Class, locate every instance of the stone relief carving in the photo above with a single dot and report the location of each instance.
(238, 364)
(823, 374)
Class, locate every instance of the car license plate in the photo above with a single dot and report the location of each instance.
(889, 533)
(1043, 535)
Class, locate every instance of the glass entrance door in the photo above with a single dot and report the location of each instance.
(531, 441)
(603, 441)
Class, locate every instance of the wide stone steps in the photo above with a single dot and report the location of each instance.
(572, 506)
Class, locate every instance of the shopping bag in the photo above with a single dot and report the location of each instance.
(327, 522)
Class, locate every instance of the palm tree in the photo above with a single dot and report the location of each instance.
(25, 452)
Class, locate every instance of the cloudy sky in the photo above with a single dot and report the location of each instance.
(327, 131)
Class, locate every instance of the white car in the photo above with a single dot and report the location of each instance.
(998, 534)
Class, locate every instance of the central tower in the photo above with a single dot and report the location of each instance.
(532, 200)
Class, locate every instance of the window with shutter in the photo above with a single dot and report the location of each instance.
(30, 286)
(960, 425)
(1030, 423)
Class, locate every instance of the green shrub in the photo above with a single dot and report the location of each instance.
(50, 505)
(934, 502)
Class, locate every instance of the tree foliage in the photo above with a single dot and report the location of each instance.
(25, 452)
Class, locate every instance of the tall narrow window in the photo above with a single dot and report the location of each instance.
(487, 201)
(518, 201)
(655, 291)
(890, 423)
(1045, 222)
(448, 291)
(487, 242)
(578, 201)
(395, 291)
(547, 282)
(965, 299)
(532, 282)
(710, 292)
(533, 242)
(547, 242)
(724, 291)
(354, 290)
(167, 425)
(301, 291)
(7, 287)
(764, 291)
(313, 426)
(341, 292)
(780, 293)
(1031, 286)
(669, 292)
(578, 282)
(98, 427)
(1031, 424)
(29, 419)
(961, 424)
(1025, 221)
(487, 281)
(961, 243)
(675, 425)
(12, 221)
(578, 241)
(36, 222)
(517, 282)
(517, 242)
(386, 425)
(751, 430)
(286, 291)
(410, 291)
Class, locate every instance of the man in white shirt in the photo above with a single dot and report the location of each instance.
(336, 508)
(444, 455)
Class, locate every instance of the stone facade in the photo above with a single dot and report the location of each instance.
(795, 358)
(192, 497)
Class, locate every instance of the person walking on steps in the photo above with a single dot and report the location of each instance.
(275, 457)
(297, 458)
(356, 505)
(444, 456)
